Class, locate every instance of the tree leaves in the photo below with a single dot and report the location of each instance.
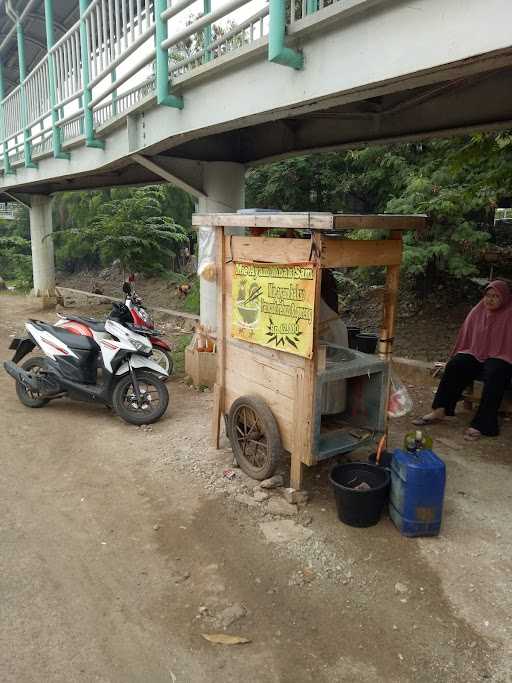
(458, 182)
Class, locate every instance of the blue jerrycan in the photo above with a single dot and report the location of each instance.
(417, 492)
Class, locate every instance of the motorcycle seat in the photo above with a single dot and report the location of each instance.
(74, 341)
(92, 323)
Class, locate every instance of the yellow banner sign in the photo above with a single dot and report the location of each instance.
(273, 305)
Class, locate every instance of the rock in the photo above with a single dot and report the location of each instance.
(273, 483)
(401, 588)
(306, 520)
(260, 496)
(244, 499)
(295, 497)
(285, 531)
(182, 577)
(225, 639)
(280, 507)
(156, 527)
(229, 615)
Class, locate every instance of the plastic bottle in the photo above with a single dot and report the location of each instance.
(417, 441)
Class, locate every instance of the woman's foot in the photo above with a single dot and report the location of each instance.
(436, 415)
(472, 434)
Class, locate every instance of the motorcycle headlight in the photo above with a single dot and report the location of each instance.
(145, 316)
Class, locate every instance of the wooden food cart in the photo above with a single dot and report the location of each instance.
(272, 362)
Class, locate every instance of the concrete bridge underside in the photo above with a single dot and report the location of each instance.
(476, 102)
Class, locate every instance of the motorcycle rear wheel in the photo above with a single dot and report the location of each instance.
(164, 359)
(29, 398)
(155, 394)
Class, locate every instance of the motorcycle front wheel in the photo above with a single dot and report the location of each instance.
(154, 398)
(164, 360)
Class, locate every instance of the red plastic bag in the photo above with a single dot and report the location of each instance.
(400, 401)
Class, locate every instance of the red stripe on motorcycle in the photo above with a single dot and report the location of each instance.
(47, 341)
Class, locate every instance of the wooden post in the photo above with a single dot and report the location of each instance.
(387, 332)
(218, 389)
(304, 405)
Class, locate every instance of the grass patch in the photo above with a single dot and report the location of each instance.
(191, 303)
(174, 278)
(178, 352)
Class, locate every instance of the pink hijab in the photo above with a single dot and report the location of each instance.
(488, 334)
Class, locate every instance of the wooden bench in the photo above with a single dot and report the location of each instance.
(473, 394)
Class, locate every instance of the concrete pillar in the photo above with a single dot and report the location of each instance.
(223, 182)
(43, 263)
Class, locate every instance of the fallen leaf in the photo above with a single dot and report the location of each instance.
(224, 639)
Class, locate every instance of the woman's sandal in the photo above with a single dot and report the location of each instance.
(472, 434)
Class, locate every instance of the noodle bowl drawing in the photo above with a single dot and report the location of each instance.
(249, 313)
(248, 305)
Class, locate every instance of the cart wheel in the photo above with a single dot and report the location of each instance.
(254, 436)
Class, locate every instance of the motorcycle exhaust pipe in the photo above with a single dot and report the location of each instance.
(22, 376)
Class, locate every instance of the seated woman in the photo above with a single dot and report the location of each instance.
(483, 350)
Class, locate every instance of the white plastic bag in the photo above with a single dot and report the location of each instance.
(400, 401)
(206, 267)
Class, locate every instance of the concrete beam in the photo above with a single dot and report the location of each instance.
(181, 168)
(22, 199)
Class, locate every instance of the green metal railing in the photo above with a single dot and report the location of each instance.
(120, 52)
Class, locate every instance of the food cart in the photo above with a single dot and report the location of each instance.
(272, 362)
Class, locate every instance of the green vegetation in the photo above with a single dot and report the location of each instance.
(458, 182)
(15, 256)
(191, 303)
(178, 352)
(134, 230)
(144, 228)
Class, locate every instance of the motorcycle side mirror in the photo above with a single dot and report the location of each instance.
(127, 288)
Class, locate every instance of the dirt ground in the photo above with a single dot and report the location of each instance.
(121, 546)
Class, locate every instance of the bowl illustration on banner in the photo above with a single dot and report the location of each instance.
(247, 303)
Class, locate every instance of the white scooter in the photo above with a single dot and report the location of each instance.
(128, 380)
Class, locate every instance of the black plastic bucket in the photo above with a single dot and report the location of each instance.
(361, 508)
(353, 331)
(366, 342)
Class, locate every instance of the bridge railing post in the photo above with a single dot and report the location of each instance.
(277, 51)
(27, 145)
(311, 6)
(114, 93)
(58, 153)
(88, 116)
(207, 32)
(5, 151)
(163, 95)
